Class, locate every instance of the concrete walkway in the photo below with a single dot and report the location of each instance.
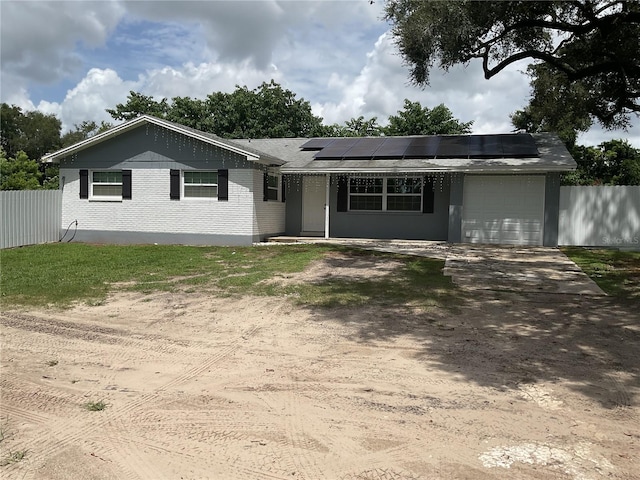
(487, 267)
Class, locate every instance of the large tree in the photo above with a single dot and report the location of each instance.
(19, 172)
(615, 162)
(556, 105)
(138, 104)
(265, 112)
(592, 43)
(33, 132)
(268, 111)
(83, 131)
(415, 119)
(356, 127)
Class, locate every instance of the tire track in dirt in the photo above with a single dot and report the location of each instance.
(215, 438)
(620, 393)
(63, 329)
(36, 397)
(224, 352)
(120, 438)
(12, 411)
(304, 445)
(133, 410)
(60, 435)
(221, 353)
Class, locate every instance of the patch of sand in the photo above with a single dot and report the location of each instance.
(515, 386)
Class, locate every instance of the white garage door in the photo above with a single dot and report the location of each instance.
(505, 209)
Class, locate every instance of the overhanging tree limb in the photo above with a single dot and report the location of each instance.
(589, 41)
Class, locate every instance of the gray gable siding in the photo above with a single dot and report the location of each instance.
(151, 146)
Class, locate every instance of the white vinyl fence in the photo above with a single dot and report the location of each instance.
(30, 217)
(600, 217)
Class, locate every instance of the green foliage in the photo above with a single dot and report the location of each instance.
(592, 43)
(95, 406)
(268, 111)
(616, 272)
(416, 120)
(34, 133)
(84, 130)
(556, 105)
(615, 162)
(138, 104)
(190, 112)
(51, 180)
(18, 173)
(13, 457)
(356, 127)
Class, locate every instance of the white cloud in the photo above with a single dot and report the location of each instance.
(39, 38)
(103, 88)
(381, 86)
(97, 91)
(333, 54)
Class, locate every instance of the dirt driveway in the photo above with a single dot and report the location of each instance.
(509, 384)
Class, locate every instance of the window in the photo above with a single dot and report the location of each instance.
(404, 194)
(273, 186)
(365, 193)
(199, 184)
(398, 194)
(106, 184)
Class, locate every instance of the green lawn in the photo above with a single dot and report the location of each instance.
(616, 272)
(63, 273)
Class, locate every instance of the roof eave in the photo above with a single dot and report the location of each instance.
(503, 170)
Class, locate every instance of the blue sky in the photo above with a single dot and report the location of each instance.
(77, 58)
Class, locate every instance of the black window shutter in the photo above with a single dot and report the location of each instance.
(428, 195)
(265, 186)
(126, 184)
(343, 194)
(174, 193)
(284, 188)
(84, 183)
(223, 185)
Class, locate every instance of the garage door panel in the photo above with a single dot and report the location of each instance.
(503, 209)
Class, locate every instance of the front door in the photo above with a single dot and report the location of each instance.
(313, 196)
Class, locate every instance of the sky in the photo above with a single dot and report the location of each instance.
(75, 59)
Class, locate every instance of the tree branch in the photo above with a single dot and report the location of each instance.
(546, 57)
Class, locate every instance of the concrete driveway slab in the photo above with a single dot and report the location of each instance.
(489, 267)
(519, 269)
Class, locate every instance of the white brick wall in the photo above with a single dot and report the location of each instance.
(151, 210)
(269, 217)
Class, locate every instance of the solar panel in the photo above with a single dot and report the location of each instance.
(392, 147)
(365, 148)
(337, 148)
(317, 143)
(445, 146)
(423, 147)
(453, 146)
(519, 145)
(485, 146)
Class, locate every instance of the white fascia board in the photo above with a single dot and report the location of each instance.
(512, 170)
(131, 124)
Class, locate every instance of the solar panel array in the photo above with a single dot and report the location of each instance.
(518, 145)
